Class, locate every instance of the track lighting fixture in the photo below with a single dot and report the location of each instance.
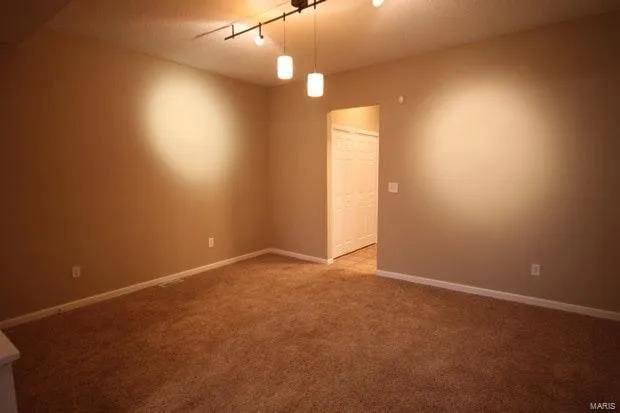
(316, 81)
(284, 62)
(259, 39)
(298, 9)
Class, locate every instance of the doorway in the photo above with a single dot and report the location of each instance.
(353, 175)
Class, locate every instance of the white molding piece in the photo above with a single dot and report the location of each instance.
(502, 295)
(8, 352)
(299, 256)
(61, 308)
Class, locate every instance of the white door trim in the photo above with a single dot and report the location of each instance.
(350, 129)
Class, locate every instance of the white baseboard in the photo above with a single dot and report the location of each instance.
(11, 322)
(299, 256)
(524, 299)
(61, 308)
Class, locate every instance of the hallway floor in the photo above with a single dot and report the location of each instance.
(364, 260)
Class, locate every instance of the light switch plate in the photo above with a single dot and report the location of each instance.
(393, 187)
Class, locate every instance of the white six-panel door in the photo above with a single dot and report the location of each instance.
(354, 176)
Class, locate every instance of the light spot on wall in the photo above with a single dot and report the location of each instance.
(485, 150)
(191, 127)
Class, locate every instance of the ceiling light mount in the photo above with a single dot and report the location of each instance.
(299, 4)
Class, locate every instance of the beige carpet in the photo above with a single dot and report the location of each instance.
(276, 334)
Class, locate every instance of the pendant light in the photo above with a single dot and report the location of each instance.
(285, 62)
(316, 81)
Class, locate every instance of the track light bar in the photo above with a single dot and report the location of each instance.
(275, 19)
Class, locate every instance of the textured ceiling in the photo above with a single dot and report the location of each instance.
(352, 33)
(19, 18)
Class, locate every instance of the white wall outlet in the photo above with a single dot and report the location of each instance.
(211, 242)
(393, 187)
(76, 271)
(535, 270)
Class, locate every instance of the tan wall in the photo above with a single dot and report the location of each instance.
(123, 164)
(506, 152)
(365, 117)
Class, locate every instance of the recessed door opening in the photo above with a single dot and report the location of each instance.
(352, 182)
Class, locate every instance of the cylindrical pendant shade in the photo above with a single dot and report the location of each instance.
(315, 85)
(285, 67)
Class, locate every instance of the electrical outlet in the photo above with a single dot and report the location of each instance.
(535, 270)
(76, 271)
(211, 242)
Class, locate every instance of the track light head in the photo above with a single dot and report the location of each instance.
(259, 39)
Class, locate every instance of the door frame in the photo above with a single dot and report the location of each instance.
(330, 204)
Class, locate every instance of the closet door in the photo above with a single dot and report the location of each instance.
(355, 156)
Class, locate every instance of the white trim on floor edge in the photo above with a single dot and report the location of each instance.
(299, 256)
(61, 308)
(502, 295)
(82, 302)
